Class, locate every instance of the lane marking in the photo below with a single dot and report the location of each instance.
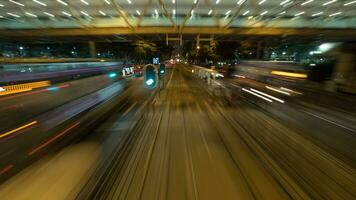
(18, 129)
(267, 95)
(257, 95)
(38, 148)
(337, 124)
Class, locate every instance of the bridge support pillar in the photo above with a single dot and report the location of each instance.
(92, 49)
(345, 70)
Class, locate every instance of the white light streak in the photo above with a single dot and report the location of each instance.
(14, 15)
(156, 12)
(39, 2)
(17, 3)
(334, 14)
(84, 13)
(107, 2)
(228, 12)
(62, 2)
(264, 12)
(277, 90)
(217, 1)
(261, 2)
(299, 14)
(240, 2)
(282, 13)
(49, 14)
(210, 11)
(102, 13)
(30, 14)
(306, 2)
(138, 12)
(246, 12)
(284, 2)
(65, 13)
(317, 14)
(329, 2)
(257, 95)
(85, 2)
(349, 3)
(129, 1)
(267, 95)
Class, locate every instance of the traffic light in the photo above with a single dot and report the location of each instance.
(162, 69)
(150, 76)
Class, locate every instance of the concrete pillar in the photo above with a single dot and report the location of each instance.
(345, 72)
(92, 49)
(259, 50)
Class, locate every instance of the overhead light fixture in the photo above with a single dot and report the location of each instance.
(85, 2)
(334, 14)
(14, 15)
(349, 3)
(65, 13)
(39, 2)
(261, 2)
(210, 11)
(62, 2)
(282, 13)
(284, 2)
(240, 2)
(138, 12)
(49, 14)
(30, 14)
(1, 5)
(287, 4)
(1, 16)
(195, 1)
(217, 1)
(102, 13)
(107, 2)
(129, 1)
(228, 12)
(173, 1)
(300, 13)
(246, 12)
(329, 2)
(156, 12)
(17, 3)
(264, 12)
(84, 13)
(192, 12)
(250, 17)
(306, 2)
(317, 14)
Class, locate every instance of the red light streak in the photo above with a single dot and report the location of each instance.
(43, 145)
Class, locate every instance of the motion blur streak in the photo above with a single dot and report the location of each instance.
(257, 95)
(292, 91)
(5, 169)
(35, 92)
(18, 129)
(277, 90)
(289, 74)
(267, 95)
(53, 139)
(13, 89)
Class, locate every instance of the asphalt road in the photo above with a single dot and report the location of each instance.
(189, 141)
(191, 144)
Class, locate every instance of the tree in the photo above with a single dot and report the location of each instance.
(144, 49)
